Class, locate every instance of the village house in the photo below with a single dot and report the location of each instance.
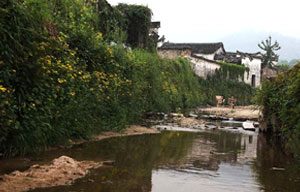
(205, 59)
(251, 60)
(153, 31)
(201, 55)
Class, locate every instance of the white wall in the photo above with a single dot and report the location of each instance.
(210, 56)
(206, 56)
(173, 54)
(203, 68)
(254, 66)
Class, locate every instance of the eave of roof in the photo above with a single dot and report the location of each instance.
(204, 48)
(203, 58)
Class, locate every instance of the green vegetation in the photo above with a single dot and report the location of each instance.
(281, 104)
(231, 71)
(61, 78)
(282, 67)
(227, 82)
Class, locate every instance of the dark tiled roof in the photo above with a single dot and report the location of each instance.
(236, 57)
(228, 58)
(205, 48)
(155, 24)
(254, 55)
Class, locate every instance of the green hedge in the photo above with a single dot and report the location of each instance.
(280, 100)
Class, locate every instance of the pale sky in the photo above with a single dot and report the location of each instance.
(211, 20)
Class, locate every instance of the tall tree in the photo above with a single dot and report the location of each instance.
(269, 56)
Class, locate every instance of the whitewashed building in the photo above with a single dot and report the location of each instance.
(205, 59)
(253, 61)
(201, 55)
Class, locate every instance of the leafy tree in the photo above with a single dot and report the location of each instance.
(283, 67)
(270, 56)
(138, 23)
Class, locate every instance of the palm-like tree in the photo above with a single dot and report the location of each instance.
(269, 56)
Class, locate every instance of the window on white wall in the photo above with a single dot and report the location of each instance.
(253, 81)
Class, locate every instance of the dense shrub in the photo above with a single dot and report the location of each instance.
(60, 80)
(280, 100)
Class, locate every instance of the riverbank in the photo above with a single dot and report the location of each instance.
(132, 130)
(250, 112)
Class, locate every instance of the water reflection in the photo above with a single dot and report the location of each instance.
(249, 146)
(218, 161)
(182, 161)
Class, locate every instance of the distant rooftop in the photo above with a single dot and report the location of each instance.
(205, 48)
(155, 24)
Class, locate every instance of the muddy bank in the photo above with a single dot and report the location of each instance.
(132, 130)
(238, 113)
(62, 171)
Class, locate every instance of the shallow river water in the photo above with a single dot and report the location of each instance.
(209, 161)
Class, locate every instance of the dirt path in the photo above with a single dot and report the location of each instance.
(239, 112)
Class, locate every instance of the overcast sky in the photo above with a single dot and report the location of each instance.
(212, 20)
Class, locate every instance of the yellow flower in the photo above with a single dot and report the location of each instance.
(6, 102)
(3, 89)
(72, 53)
(33, 104)
(72, 93)
(61, 80)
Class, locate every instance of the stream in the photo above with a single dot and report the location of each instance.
(209, 161)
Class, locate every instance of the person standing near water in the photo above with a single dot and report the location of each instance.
(232, 101)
